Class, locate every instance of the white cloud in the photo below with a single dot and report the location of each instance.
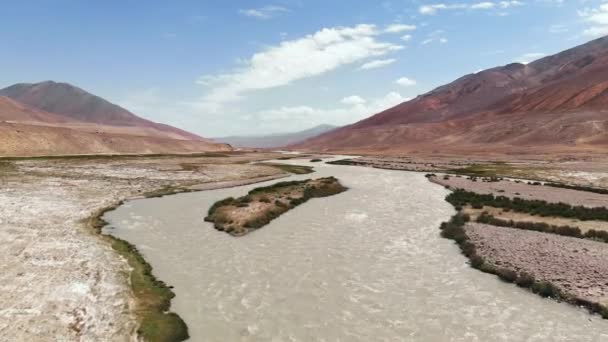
(293, 60)
(353, 100)
(484, 5)
(398, 28)
(378, 63)
(266, 12)
(529, 57)
(406, 82)
(435, 36)
(598, 18)
(406, 38)
(353, 110)
(512, 3)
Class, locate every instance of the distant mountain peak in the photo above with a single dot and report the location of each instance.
(276, 140)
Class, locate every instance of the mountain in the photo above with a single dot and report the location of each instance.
(557, 103)
(13, 111)
(275, 140)
(79, 105)
(52, 118)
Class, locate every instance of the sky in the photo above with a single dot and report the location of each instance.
(220, 68)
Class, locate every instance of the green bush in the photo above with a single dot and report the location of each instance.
(535, 207)
(534, 226)
(546, 289)
(525, 280)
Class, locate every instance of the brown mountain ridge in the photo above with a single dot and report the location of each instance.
(557, 103)
(51, 118)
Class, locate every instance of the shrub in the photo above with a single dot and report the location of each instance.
(534, 226)
(525, 280)
(546, 289)
(507, 275)
(579, 188)
(536, 207)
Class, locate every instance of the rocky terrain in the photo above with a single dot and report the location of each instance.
(553, 105)
(575, 266)
(60, 281)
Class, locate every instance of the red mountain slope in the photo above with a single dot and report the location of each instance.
(557, 102)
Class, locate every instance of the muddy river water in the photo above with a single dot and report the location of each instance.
(365, 265)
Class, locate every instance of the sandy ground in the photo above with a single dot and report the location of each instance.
(576, 266)
(512, 189)
(58, 280)
(499, 213)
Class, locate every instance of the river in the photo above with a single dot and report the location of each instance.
(365, 265)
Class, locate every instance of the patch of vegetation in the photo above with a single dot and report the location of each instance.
(152, 296)
(166, 191)
(455, 230)
(295, 169)
(349, 162)
(596, 235)
(6, 167)
(533, 226)
(600, 191)
(269, 203)
(497, 169)
(316, 160)
(460, 198)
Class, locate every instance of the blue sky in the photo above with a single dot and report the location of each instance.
(255, 67)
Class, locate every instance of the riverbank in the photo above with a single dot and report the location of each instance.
(242, 215)
(564, 262)
(60, 280)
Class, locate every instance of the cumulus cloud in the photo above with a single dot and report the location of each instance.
(266, 12)
(406, 82)
(354, 108)
(378, 63)
(598, 18)
(293, 60)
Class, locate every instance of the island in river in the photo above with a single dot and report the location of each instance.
(239, 216)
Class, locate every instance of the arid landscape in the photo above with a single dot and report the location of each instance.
(46, 206)
(412, 171)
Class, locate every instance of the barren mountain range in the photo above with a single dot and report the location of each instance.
(275, 140)
(557, 103)
(51, 118)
